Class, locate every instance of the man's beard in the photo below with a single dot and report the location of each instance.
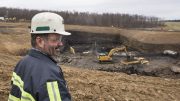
(54, 52)
(51, 50)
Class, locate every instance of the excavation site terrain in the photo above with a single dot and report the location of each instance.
(150, 45)
(104, 63)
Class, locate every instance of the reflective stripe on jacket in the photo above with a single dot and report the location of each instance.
(37, 77)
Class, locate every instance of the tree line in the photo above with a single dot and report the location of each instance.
(171, 20)
(86, 18)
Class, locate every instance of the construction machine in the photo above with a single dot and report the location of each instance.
(72, 50)
(134, 60)
(131, 59)
(103, 57)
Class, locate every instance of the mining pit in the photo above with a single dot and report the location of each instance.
(87, 45)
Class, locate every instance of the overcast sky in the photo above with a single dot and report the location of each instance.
(165, 9)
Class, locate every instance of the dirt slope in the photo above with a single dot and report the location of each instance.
(89, 85)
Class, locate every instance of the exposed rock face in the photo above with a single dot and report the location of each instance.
(144, 41)
(92, 40)
(78, 37)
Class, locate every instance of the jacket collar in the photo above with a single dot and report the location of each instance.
(38, 54)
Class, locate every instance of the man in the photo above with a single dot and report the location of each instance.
(37, 77)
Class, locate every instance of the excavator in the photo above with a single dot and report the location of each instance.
(131, 59)
(103, 57)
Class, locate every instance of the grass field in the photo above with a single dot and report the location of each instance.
(172, 25)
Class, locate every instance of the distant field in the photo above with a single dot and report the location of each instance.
(172, 25)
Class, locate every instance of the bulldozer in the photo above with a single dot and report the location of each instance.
(134, 60)
(131, 59)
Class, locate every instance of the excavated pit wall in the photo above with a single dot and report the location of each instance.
(109, 41)
(92, 40)
(78, 37)
(148, 47)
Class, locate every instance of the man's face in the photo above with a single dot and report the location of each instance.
(51, 44)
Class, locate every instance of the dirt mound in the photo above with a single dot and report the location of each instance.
(91, 85)
(7, 62)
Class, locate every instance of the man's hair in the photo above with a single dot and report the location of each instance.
(34, 36)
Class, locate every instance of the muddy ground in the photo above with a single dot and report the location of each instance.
(90, 81)
(159, 65)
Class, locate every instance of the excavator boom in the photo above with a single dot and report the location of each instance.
(123, 48)
(103, 57)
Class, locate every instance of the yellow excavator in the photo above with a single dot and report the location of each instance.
(103, 57)
(131, 59)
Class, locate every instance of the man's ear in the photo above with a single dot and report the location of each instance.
(39, 42)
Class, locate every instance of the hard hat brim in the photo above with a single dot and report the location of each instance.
(61, 33)
(64, 33)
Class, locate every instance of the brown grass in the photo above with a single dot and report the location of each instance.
(93, 29)
(172, 26)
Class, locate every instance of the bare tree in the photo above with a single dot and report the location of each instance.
(86, 18)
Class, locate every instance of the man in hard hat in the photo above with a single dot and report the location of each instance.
(37, 77)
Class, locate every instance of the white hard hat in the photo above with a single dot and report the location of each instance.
(47, 22)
